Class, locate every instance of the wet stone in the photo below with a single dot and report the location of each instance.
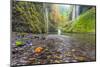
(56, 49)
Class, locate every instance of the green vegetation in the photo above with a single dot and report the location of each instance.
(40, 33)
(28, 17)
(85, 22)
(31, 17)
(19, 43)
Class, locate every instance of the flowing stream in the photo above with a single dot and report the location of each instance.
(70, 47)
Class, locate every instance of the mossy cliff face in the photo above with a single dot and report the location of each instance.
(31, 17)
(28, 17)
(85, 22)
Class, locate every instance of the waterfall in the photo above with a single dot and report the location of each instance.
(59, 32)
(75, 12)
(46, 17)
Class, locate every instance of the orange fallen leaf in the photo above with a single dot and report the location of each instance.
(38, 50)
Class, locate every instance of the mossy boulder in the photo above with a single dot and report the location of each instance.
(19, 43)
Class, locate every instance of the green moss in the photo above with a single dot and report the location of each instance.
(85, 22)
(19, 43)
(29, 17)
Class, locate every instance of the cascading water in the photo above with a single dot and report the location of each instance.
(46, 17)
(75, 12)
(59, 32)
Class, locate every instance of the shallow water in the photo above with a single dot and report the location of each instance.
(70, 47)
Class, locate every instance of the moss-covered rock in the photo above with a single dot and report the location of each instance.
(85, 22)
(19, 43)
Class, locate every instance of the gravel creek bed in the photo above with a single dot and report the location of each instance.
(56, 48)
